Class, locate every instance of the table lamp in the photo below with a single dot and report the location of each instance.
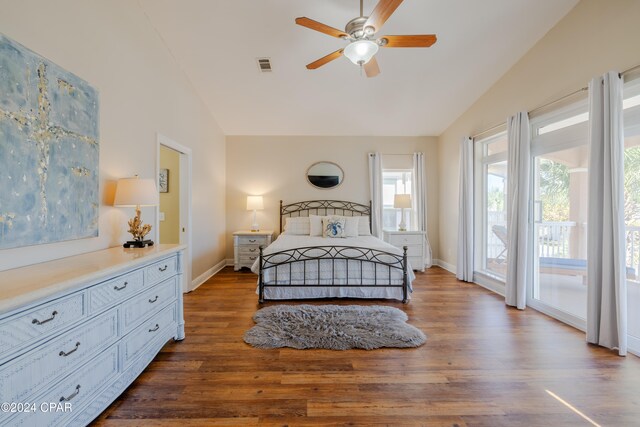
(136, 192)
(254, 203)
(402, 202)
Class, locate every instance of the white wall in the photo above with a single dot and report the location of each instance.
(595, 37)
(111, 45)
(275, 167)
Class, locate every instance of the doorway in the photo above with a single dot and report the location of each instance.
(173, 219)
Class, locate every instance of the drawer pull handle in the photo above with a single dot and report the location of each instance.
(42, 322)
(252, 250)
(252, 258)
(252, 240)
(62, 353)
(71, 396)
(163, 268)
(153, 300)
(155, 329)
(122, 287)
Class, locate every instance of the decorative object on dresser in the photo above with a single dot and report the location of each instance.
(413, 240)
(80, 330)
(136, 192)
(332, 327)
(246, 246)
(402, 202)
(255, 203)
(49, 146)
(325, 175)
(301, 264)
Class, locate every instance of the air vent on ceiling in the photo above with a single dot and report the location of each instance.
(264, 64)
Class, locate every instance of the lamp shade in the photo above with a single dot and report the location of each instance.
(402, 201)
(136, 192)
(254, 203)
(361, 51)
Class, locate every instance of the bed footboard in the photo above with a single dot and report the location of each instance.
(360, 267)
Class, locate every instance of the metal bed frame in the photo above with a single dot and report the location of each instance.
(355, 257)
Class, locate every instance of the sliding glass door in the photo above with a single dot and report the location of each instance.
(632, 210)
(559, 213)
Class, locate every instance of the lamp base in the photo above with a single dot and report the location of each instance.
(255, 227)
(138, 243)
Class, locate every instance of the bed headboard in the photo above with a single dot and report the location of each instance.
(324, 207)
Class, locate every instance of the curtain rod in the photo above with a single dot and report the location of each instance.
(575, 92)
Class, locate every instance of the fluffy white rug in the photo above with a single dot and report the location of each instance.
(334, 327)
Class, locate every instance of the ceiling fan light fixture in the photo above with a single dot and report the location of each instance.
(361, 51)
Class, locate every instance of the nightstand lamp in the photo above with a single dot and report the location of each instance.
(135, 192)
(402, 202)
(254, 203)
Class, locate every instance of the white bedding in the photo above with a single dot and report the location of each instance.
(332, 273)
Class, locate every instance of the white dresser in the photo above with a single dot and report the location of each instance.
(415, 242)
(76, 332)
(246, 247)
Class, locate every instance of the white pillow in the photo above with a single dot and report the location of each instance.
(333, 226)
(351, 226)
(297, 225)
(363, 226)
(315, 228)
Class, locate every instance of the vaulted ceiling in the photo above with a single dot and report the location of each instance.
(419, 91)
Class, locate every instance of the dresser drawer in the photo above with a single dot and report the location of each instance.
(37, 323)
(149, 302)
(115, 290)
(23, 376)
(73, 390)
(414, 250)
(135, 342)
(248, 259)
(253, 240)
(160, 271)
(405, 239)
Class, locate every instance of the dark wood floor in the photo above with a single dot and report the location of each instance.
(483, 365)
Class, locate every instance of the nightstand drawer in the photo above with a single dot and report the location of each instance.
(252, 240)
(405, 239)
(248, 250)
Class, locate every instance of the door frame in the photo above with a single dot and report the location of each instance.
(185, 202)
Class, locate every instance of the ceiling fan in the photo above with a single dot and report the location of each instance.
(360, 32)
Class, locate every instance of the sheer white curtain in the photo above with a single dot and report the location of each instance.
(606, 271)
(518, 171)
(464, 269)
(375, 187)
(420, 203)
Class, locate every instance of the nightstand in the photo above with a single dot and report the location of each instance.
(414, 240)
(246, 246)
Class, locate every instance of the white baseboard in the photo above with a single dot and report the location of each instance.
(449, 267)
(207, 274)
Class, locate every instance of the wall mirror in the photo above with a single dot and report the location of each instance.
(325, 175)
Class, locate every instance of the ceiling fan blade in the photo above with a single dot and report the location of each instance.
(325, 59)
(318, 26)
(371, 68)
(422, 40)
(381, 13)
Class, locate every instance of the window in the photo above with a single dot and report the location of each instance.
(491, 221)
(396, 181)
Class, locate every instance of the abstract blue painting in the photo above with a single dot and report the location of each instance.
(48, 151)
